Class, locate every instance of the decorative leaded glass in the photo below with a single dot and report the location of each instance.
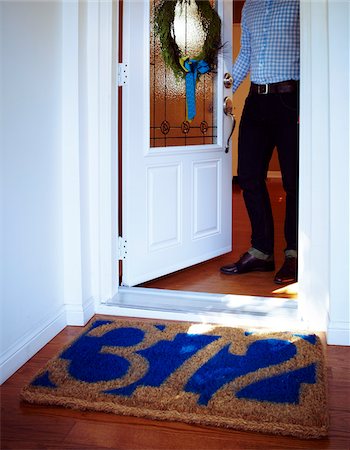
(169, 125)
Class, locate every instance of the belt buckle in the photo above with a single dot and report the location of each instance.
(263, 89)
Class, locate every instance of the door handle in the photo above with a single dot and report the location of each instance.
(228, 110)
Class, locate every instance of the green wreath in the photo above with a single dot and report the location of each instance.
(164, 28)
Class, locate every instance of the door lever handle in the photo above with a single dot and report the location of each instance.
(228, 110)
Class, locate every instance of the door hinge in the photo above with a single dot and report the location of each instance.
(122, 74)
(122, 248)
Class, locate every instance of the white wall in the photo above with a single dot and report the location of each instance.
(56, 138)
(89, 185)
(339, 167)
(314, 180)
(31, 255)
(77, 273)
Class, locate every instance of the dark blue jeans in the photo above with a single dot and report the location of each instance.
(269, 121)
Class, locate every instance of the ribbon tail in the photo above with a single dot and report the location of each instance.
(191, 95)
(192, 68)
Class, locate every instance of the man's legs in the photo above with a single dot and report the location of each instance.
(288, 153)
(255, 148)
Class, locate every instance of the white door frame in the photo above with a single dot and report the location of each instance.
(314, 223)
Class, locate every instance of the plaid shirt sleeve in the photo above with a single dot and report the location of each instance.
(241, 66)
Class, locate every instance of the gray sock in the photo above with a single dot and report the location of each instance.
(291, 253)
(260, 255)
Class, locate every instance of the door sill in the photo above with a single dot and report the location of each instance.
(233, 310)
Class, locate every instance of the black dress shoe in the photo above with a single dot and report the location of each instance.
(288, 272)
(248, 263)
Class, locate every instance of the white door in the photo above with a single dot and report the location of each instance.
(177, 177)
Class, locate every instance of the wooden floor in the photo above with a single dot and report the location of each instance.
(25, 426)
(205, 277)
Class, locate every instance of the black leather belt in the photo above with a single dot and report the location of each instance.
(283, 87)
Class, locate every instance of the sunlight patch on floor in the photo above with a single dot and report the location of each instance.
(290, 289)
(200, 328)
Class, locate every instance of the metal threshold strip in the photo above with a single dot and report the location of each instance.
(220, 308)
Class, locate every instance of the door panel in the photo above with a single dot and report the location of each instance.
(176, 174)
(164, 208)
(206, 198)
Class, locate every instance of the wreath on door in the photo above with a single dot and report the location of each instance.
(182, 65)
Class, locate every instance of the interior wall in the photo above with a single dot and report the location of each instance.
(79, 279)
(31, 256)
(324, 167)
(89, 165)
(339, 169)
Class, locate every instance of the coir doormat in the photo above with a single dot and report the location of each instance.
(196, 373)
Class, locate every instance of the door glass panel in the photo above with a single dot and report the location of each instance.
(168, 123)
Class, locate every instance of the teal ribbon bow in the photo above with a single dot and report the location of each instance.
(193, 69)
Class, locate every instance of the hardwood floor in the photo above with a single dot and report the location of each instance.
(25, 426)
(205, 277)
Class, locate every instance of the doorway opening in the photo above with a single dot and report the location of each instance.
(205, 277)
(313, 285)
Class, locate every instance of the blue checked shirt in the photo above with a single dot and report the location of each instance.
(269, 43)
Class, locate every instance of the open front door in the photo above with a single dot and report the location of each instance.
(176, 174)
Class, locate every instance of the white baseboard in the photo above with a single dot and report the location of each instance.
(79, 315)
(29, 344)
(338, 333)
